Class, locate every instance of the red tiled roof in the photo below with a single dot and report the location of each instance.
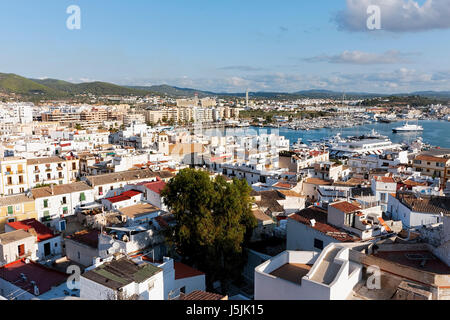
(156, 186)
(305, 216)
(117, 199)
(385, 179)
(131, 193)
(184, 271)
(44, 277)
(42, 231)
(282, 185)
(431, 158)
(318, 181)
(124, 196)
(202, 295)
(88, 237)
(345, 206)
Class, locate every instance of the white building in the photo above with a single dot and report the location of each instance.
(53, 203)
(381, 188)
(417, 210)
(16, 245)
(328, 276)
(122, 279)
(49, 244)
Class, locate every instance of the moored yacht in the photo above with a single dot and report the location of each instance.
(408, 128)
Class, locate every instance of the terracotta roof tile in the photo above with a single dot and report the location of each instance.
(203, 295)
(345, 206)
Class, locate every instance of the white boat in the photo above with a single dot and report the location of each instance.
(408, 128)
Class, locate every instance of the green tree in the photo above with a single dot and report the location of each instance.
(214, 223)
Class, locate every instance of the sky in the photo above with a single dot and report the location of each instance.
(233, 45)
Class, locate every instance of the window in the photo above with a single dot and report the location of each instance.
(10, 210)
(45, 203)
(318, 244)
(82, 196)
(151, 285)
(21, 250)
(64, 200)
(62, 225)
(65, 210)
(74, 166)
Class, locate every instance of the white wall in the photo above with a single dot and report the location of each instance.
(91, 290)
(410, 218)
(9, 252)
(268, 287)
(55, 247)
(301, 237)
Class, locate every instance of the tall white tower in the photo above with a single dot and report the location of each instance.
(246, 98)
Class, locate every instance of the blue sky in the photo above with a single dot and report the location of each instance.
(231, 45)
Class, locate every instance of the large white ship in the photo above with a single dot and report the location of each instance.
(408, 128)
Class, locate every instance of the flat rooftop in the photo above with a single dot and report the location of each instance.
(45, 278)
(13, 236)
(138, 210)
(414, 259)
(293, 272)
(119, 273)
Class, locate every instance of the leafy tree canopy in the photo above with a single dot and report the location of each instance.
(214, 223)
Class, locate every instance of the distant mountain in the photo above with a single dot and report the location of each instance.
(96, 88)
(433, 94)
(174, 91)
(12, 83)
(59, 89)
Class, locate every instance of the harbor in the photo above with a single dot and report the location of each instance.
(434, 131)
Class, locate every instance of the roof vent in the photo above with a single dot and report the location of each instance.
(313, 222)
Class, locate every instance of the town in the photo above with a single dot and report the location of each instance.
(95, 202)
(224, 159)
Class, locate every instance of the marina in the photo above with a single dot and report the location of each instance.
(434, 130)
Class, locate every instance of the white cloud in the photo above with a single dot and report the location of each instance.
(396, 15)
(364, 58)
(402, 80)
